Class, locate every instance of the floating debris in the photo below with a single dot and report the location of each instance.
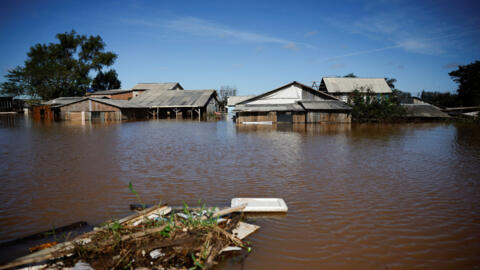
(155, 237)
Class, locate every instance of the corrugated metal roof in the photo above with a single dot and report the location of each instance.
(111, 92)
(424, 110)
(157, 86)
(122, 104)
(233, 100)
(63, 100)
(170, 99)
(302, 86)
(268, 108)
(328, 105)
(347, 85)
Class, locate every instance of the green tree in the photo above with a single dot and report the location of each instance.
(350, 75)
(391, 82)
(59, 69)
(106, 80)
(468, 78)
(440, 99)
(367, 107)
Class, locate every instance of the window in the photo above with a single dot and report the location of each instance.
(95, 115)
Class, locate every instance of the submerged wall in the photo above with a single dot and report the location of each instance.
(294, 117)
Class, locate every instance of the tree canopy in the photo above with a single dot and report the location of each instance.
(106, 81)
(350, 75)
(59, 69)
(468, 79)
(369, 108)
(391, 82)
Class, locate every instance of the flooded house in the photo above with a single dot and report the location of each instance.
(100, 109)
(233, 101)
(293, 103)
(46, 110)
(11, 104)
(6, 103)
(420, 110)
(424, 112)
(88, 108)
(165, 100)
(342, 87)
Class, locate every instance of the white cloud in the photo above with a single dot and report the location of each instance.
(290, 46)
(413, 28)
(202, 27)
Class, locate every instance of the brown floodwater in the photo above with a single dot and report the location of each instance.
(402, 196)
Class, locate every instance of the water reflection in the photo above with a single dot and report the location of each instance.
(307, 129)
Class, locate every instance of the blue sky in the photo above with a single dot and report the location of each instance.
(257, 46)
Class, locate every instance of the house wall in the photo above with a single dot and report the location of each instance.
(288, 95)
(91, 116)
(122, 96)
(344, 96)
(297, 117)
(6, 104)
(88, 105)
(132, 114)
(137, 92)
(212, 106)
(44, 112)
(82, 111)
(328, 117)
(256, 117)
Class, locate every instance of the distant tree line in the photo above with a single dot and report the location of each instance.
(468, 93)
(63, 68)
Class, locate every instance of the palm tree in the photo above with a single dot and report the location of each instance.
(391, 82)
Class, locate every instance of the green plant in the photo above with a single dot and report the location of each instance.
(368, 107)
(166, 231)
(52, 233)
(196, 263)
(130, 186)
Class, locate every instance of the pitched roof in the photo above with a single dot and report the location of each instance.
(157, 86)
(111, 92)
(233, 100)
(302, 86)
(63, 101)
(166, 99)
(327, 105)
(122, 104)
(324, 105)
(424, 110)
(347, 85)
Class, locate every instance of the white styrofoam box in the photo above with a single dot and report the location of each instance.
(261, 204)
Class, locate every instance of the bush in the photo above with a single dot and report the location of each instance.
(368, 107)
